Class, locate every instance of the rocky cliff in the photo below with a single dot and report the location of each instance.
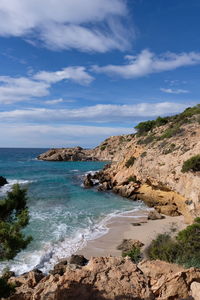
(110, 278)
(148, 165)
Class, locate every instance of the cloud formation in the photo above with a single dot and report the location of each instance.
(174, 91)
(147, 63)
(56, 136)
(97, 114)
(76, 74)
(89, 25)
(25, 88)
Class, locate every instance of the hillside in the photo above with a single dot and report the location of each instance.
(150, 165)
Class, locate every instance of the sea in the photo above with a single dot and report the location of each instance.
(64, 215)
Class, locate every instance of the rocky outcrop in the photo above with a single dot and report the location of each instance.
(108, 150)
(3, 181)
(111, 278)
(152, 171)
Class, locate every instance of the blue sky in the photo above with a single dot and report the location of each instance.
(73, 72)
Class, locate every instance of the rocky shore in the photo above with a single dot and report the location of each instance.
(109, 278)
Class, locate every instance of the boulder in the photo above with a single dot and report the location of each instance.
(3, 181)
(128, 244)
(169, 210)
(88, 183)
(154, 215)
(59, 268)
(195, 290)
(78, 260)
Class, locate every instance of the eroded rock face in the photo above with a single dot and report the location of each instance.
(111, 278)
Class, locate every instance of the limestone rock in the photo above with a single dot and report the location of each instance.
(128, 244)
(195, 290)
(59, 268)
(78, 260)
(154, 215)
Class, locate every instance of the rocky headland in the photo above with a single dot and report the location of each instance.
(148, 165)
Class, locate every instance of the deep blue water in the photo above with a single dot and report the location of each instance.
(64, 215)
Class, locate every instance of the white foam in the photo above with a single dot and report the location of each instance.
(63, 247)
(7, 187)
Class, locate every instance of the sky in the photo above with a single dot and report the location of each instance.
(74, 72)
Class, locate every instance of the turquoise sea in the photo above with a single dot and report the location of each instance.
(63, 215)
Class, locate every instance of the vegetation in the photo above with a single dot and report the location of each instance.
(13, 218)
(130, 161)
(134, 254)
(192, 164)
(184, 249)
(175, 122)
(132, 179)
(103, 147)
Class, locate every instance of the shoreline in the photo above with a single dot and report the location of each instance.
(121, 227)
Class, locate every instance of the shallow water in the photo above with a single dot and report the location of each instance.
(63, 215)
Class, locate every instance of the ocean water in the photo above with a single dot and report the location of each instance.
(63, 215)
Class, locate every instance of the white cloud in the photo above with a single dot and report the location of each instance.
(20, 89)
(89, 25)
(25, 88)
(174, 91)
(56, 101)
(147, 63)
(99, 113)
(76, 74)
(24, 135)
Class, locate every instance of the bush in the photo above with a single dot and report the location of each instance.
(132, 179)
(184, 249)
(134, 254)
(103, 147)
(192, 164)
(6, 289)
(13, 218)
(130, 161)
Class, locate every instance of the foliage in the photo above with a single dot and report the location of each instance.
(184, 249)
(13, 218)
(132, 179)
(134, 254)
(143, 154)
(175, 122)
(145, 141)
(130, 161)
(6, 289)
(192, 164)
(103, 147)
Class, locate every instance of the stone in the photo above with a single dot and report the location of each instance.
(169, 210)
(129, 244)
(195, 290)
(88, 183)
(78, 260)
(59, 268)
(3, 181)
(154, 215)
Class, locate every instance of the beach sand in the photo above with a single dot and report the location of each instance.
(122, 228)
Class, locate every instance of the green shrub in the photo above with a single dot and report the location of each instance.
(163, 248)
(103, 147)
(192, 164)
(132, 179)
(130, 161)
(134, 254)
(184, 249)
(6, 289)
(13, 218)
(145, 141)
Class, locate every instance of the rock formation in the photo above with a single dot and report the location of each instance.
(110, 278)
(3, 181)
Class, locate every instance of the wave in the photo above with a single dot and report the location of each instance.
(50, 253)
(7, 187)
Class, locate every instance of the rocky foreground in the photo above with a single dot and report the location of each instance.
(109, 278)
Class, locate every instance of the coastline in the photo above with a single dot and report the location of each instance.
(121, 227)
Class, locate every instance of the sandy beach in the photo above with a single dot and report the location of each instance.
(122, 228)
